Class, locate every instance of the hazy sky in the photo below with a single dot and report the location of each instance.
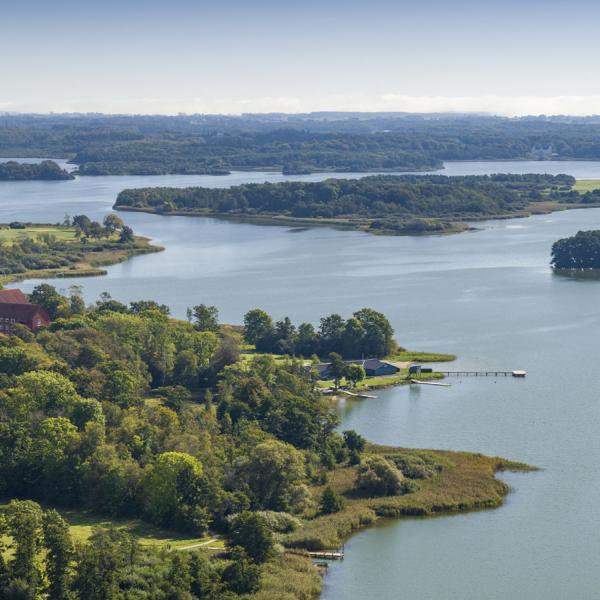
(230, 56)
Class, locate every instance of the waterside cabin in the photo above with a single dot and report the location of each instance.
(373, 368)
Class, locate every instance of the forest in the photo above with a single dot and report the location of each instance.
(116, 145)
(124, 411)
(384, 202)
(581, 251)
(47, 170)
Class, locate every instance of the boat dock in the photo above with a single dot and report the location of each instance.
(484, 373)
(327, 555)
(429, 383)
(355, 395)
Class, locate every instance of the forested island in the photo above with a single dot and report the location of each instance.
(400, 204)
(578, 252)
(149, 145)
(46, 170)
(78, 247)
(141, 457)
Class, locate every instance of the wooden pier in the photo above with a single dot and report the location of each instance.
(327, 555)
(484, 373)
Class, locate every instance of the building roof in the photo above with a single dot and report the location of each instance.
(367, 363)
(13, 297)
(370, 363)
(22, 313)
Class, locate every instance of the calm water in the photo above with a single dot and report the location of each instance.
(487, 296)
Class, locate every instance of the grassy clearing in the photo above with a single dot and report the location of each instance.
(462, 482)
(400, 378)
(586, 185)
(424, 357)
(247, 354)
(65, 234)
(82, 523)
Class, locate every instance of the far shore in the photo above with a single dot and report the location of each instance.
(534, 208)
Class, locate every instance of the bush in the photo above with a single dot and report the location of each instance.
(280, 522)
(416, 467)
(330, 501)
(378, 477)
(241, 576)
(251, 532)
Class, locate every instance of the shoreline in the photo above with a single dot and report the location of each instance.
(90, 268)
(363, 225)
(462, 482)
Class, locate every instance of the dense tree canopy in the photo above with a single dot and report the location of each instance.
(581, 251)
(104, 144)
(45, 170)
(383, 201)
(367, 333)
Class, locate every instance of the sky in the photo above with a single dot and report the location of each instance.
(229, 56)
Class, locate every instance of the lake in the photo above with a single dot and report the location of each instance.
(488, 296)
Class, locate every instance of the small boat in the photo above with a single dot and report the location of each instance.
(430, 383)
(519, 373)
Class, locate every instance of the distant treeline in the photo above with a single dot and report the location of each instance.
(581, 251)
(386, 199)
(102, 144)
(46, 170)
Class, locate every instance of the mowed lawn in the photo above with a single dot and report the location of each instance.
(60, 233)
(586, 185)
(82, 524)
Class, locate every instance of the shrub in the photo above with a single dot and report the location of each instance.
(280, 522)
(251, 532)
(378, 477)
(415, 466)
(330, 501)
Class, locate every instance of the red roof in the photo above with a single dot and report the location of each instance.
(25, 313)
(13, 297)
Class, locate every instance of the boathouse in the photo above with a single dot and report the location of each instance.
(373, 367)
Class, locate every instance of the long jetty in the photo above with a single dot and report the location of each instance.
(484, 373)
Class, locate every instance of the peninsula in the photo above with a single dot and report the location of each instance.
(382, 204)
(151, 434)
(47, 170)
(78, 248)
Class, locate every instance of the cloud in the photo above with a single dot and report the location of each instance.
(493, 104)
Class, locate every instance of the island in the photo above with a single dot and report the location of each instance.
(381, 204)
(143, 452)
(79, 247)
(578, 252)
(47, 170)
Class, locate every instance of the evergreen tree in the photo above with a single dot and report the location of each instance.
(331, 502)
(59, 552)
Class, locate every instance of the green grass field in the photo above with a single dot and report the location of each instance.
(66, 234)
(586, 185)
(83, 522)
(422, 357)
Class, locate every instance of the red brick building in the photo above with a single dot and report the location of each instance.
(13, 297)
(16, 308)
